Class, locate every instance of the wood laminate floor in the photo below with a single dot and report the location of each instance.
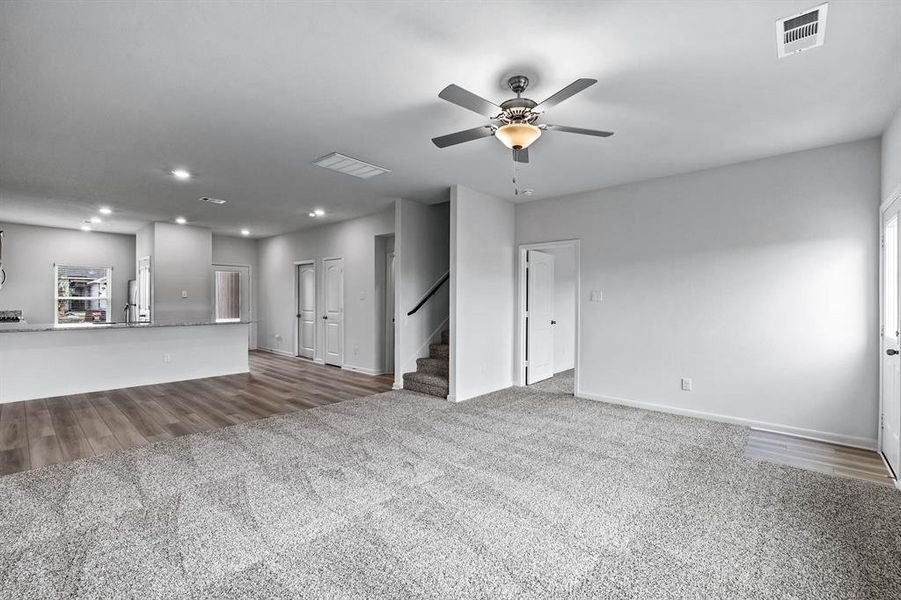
(823, 457)
(36, 433)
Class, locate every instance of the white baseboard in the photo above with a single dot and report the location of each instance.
(811, 434)
(397, 386)
(275, 351)
(364, 370)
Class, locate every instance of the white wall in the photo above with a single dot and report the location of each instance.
(228, 250)
(29, 253)
(564, 306)
(482, 312)
(181, 261)
(757, 280)
(891, 156)
(423, 250)
(352, 240)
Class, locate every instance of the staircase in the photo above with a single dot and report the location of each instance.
(430, 376)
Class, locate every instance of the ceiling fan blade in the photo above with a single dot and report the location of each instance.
(571, 90)
(521, 156)
(467, 135)
(457, 95)
(579, 130)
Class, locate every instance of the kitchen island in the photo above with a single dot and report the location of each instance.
(42, 361)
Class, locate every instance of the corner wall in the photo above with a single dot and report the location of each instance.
(482, 292)
(757, 280)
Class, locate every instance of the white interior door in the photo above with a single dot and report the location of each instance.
(334, 310)
(891, 340)
(306, 310)
(231, 296)
(539, 316)
(389, 312)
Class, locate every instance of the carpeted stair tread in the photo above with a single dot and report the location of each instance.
(439, 351)
(431, 375)
(433, 366)
(426, 383)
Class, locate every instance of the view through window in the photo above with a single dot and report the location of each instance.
(82, 294)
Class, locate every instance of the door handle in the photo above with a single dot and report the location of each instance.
(891, 352)
(553, 322)
(324, 317)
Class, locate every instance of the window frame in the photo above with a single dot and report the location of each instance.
(56, 296)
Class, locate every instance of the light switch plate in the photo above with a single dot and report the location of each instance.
(184, 293)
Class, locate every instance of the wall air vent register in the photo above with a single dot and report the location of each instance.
(801, 31)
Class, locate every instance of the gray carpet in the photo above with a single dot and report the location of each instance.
(519, 494)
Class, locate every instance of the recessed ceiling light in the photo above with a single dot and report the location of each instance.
(182, 174)
(312, 214)
(318, 212)
(85, 227)
(106, 210)
(245, 232)
(96, 220)
(181, 220)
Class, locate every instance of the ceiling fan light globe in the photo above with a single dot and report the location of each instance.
(517, 136)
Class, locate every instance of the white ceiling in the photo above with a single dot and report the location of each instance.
(99, 100)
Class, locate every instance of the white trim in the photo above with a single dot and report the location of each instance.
(276, 351)
(894, 195)
(812, 434)
(364, 370)
(519, 377)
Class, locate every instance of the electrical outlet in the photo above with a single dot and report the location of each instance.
(686, 384)
(596, 296)
(167, 358)
(356, 350)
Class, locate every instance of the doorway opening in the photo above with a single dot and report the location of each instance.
(306, 309)
(548, 316)
(384, 302)
(232, 297)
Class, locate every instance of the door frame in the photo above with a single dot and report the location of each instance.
(520, 367)
(298, 263)
(252, 342)
(390, 317)
(320, 308)
(892, 198)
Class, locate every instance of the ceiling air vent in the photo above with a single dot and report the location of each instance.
(212, 200)
(802, 31)
(349, 166)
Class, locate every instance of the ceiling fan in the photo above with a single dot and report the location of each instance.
(515, 119)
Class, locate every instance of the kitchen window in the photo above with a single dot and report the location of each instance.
(82, 294)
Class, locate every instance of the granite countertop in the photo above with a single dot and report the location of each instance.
(33, 327)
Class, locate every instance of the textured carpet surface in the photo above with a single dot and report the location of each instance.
(518, 494)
